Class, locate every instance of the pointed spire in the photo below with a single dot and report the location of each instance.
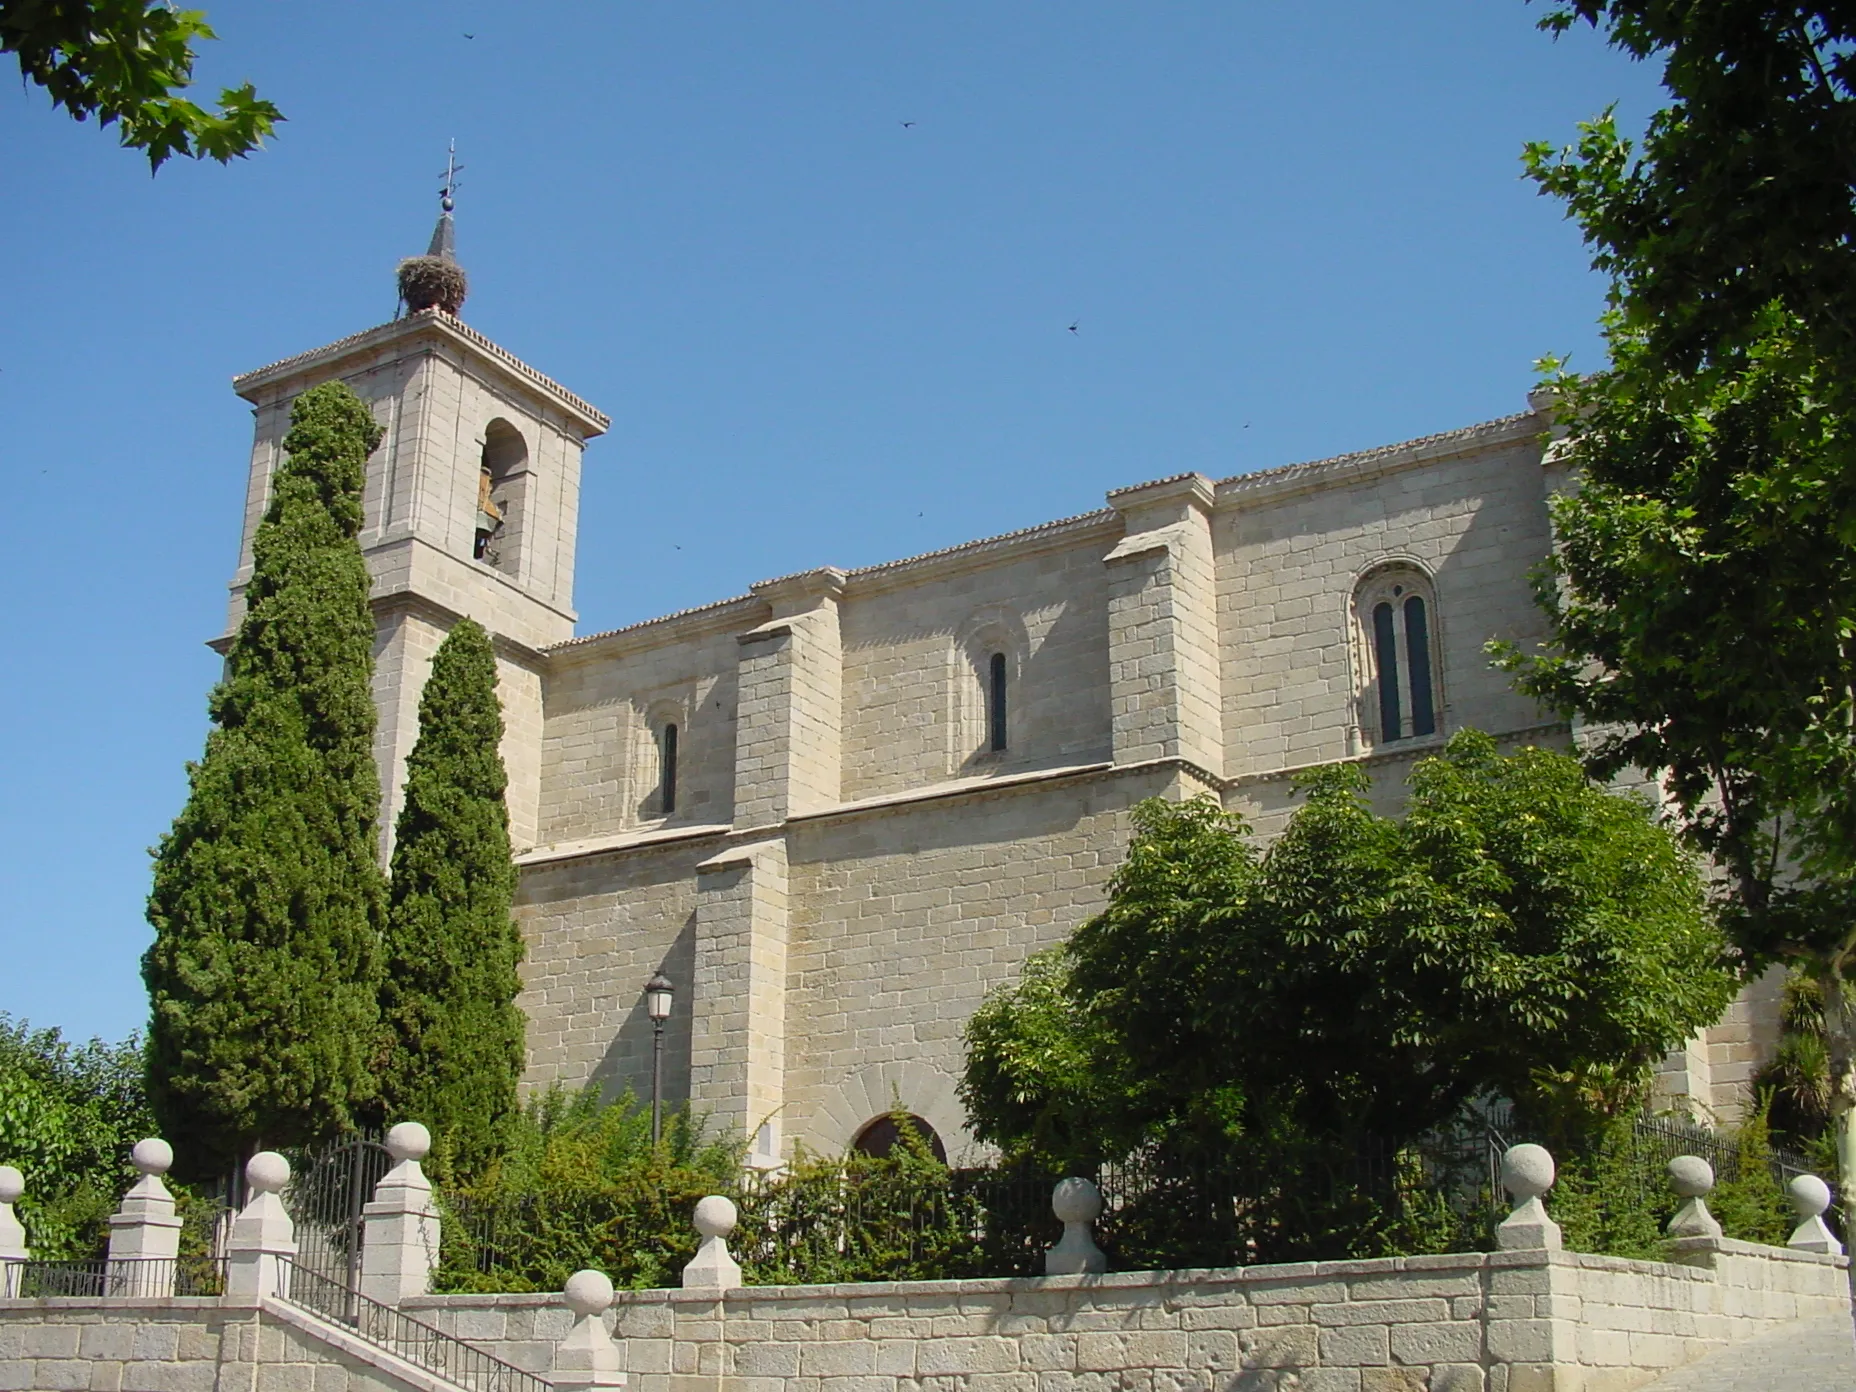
(444, 236)
(435, 280)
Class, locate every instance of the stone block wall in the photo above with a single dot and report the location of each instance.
(1468, 509)
(1472, 1322)
(182, 1345)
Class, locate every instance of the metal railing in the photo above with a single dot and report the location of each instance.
(392, 1331)
(123, 1278)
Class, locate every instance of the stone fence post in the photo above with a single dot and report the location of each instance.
(712, 1268)
(1810, 1196)
(13, 1250)
(587, 1360)
(400, 1229)
(1076, 1203)
(263, 1237)
(1527, 1173)
(1693, 1179)
(145, 1231)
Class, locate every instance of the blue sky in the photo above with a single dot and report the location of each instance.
(824, 336)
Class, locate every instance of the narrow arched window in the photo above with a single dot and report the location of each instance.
(1396, 608)
(1418, 667)
(1385, 655)
(995, 703)
(667, 778)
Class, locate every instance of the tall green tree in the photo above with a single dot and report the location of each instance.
(1520, 930)
(125, 62)
(1739, 195)
(268, 901)
(455, 1036)
(1703, 592)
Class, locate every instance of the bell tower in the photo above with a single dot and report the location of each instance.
(470, 508)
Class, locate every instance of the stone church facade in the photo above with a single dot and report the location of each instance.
(835, 811)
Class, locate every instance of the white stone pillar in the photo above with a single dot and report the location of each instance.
(1810, 1196)
(713, 1268)
(14, 1253)
(263, 1240)
(1165, 681)
(790, 680)
(145, 1231)
(399, 1229)
(587, 1359)
(1693, 1179)
(1527, 1173)
(1077, 1203)
(738, 995)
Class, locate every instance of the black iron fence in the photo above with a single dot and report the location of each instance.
(860, 1221)
(125, 1278)
(421, 1344)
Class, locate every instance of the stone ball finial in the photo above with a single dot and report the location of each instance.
(152, 1156)
(12, 1184)
(1527, 1171)
(1076, 1200)
(1810, 1196)
(267, 1172)
(409, 1141)
(1692, 1176)
(588, 1292)
(715, 1216)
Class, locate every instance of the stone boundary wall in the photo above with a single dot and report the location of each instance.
(1527, 1321)
(186, 1344)
(1524, 1321)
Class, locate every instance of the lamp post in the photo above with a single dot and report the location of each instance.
(658, 994)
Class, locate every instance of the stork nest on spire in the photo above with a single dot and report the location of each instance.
(428, 282)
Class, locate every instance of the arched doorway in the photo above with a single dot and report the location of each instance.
(883, 1134)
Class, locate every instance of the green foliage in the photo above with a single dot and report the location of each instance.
(1287, 1019)
(125, 62)
(1796, 1081)
(1613, 1194)
(581, 1185)
(903, 1216)
(69, 1115)
(1739, 198)
(1703, 602)
(454, 1034)
(268, 899)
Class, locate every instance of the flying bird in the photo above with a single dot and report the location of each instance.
(470, 36)
(1073, 326)
(906, 124)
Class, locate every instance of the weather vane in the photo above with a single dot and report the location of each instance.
(448, 193)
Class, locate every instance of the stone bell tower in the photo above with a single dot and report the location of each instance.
(470, 507)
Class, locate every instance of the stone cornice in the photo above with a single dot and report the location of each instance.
(958, 790)
(723, 616)
(1244, 490)
(971, 555)
(1403, 751)
(412, 602)
(436, 324)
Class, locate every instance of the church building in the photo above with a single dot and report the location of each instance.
(836, 810)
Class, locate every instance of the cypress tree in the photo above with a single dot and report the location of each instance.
(454, 1033)
(268, 900)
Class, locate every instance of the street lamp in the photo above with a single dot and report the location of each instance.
(658, 994)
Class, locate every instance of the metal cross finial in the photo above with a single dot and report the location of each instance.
(447, 194)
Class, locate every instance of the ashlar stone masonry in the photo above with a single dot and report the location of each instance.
(840, 808)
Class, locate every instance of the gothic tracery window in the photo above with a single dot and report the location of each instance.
(1397, 609)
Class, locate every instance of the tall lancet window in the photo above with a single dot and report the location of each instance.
(995, 702)
(667, 770)
(1396, 607)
